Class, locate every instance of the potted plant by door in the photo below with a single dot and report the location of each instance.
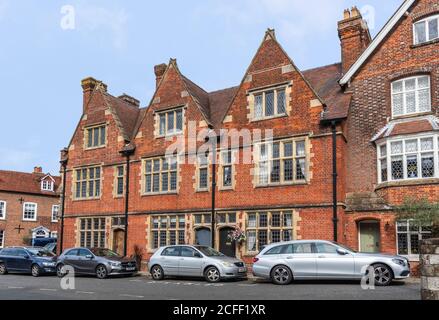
(237, 236)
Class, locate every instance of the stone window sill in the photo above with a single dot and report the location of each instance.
(419, 45)
(279, 185)
(407, 183)
(269, 118)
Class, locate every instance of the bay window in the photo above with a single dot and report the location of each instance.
(409, 159)
(411, 96)
(426, 30)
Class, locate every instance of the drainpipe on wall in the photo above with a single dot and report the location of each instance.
(63, 202)
(334, 180)
(127, 152)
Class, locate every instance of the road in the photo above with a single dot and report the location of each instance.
(22, 287)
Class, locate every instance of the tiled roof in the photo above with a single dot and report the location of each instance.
(325, 81)
(408, 126)
(219, 104)
(22, 182)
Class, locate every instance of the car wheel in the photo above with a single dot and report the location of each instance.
(212, 275)
(35, 270)
(157, 273)
(60, 270)
(281, 275)
(3, 270)
(101, 271)
(383, 275)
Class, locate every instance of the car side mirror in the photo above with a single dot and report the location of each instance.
(197, 255)
(342, 252)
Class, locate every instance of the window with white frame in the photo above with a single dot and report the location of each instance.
(88, 183)
(264, 228)
(203, 173)
(227, 169)
(92, 233)
(55, 213)
(171, 122)
(426, 29)
(409, 235)
(167, 230)
(270, 103)
(30, 211)
(281, 162)
(120, 181)
(411, 96)
(2, 239)
(161, 175)
(47, 185)
(408, 159)
(95, 137)
(2, 210)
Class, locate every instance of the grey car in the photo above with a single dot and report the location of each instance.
(195, 261)
(99, 262)
(325, 260)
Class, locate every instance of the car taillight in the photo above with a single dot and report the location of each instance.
(255, 260)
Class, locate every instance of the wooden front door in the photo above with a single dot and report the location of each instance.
(118, 241)
(370, 237)
(229, 249)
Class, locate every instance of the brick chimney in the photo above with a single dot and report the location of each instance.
(159, 71)
(88, 85)
(354, 37)
(130, 100)
(38, 170)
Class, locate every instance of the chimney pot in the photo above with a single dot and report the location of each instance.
(38, 170)
(159, 71)
(346, 14)
(355, 12)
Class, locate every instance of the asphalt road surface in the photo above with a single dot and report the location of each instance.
(23, 287)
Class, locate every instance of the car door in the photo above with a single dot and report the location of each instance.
(23, 260)
(71, 259)
(191, 264)
(333, 265)
(8, 256)
(170, 260)
(86, 262)
(301, 259)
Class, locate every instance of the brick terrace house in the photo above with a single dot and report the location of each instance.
(29, 206)
(351, 140)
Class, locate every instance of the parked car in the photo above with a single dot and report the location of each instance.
(316, 260)
(195, 261)
(31, 260)
(51, 247)
(99, 262)
(42, 242)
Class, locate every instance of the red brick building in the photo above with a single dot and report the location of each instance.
(29, 207)
(118, 161)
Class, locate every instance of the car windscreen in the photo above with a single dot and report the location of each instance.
(105, 253)
(209, 252)
(40, 253)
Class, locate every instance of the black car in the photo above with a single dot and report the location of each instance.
(31, 260)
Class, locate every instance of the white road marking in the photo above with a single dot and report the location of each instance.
(51, 290)
(136, 280)
(247, 285)
(15, 287)
(131, 296)
(84, 292)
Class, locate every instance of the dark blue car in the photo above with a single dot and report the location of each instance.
(31, 260)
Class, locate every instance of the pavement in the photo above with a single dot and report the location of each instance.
(23, 287)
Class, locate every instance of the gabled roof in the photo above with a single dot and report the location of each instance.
(22, 182)
(377, 41)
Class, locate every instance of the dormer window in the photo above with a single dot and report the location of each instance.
(95, 137)
(170, 122)
(411, 96)
(426, 30)
(47, 185)
(270, 103)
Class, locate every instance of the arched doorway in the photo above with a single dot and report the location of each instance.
(118, 241)
(369, 236)
(229, 249)
(203, 237)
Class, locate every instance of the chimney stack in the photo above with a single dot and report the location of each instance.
(354, 37)
(38, 170)
(130, 100)
(159, 71)
(88, 86)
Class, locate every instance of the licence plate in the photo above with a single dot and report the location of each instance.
(242, 270)
(131, 269)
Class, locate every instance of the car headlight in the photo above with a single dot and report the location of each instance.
(400, 262)
(227, 264)
(115, 264)
(48, 264)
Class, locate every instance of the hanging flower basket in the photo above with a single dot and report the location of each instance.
(237, 236)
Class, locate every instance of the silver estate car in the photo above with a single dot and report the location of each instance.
(195, 261)
(325, 260)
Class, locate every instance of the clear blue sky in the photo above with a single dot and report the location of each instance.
(120, 41)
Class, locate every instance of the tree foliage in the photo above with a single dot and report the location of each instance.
(421, 211)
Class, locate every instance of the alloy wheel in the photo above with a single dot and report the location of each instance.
(213, 275)
(281, 275)
(157, 273)
(383, 275)
(101, 272)
(35, 270)
(2, 269)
